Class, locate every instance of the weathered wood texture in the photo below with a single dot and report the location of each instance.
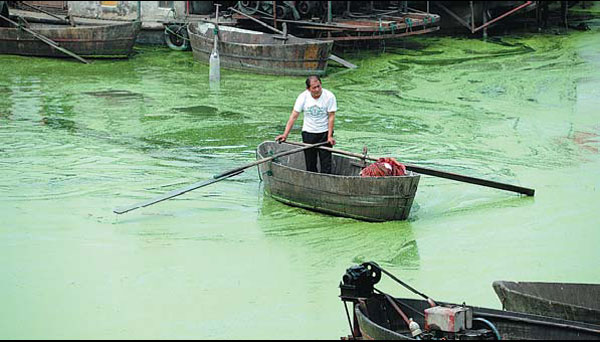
(343, 193)
(379, 321)
(113, 41)
(260, 52)
(574, 302)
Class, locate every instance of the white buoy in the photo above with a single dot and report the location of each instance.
(214, 73)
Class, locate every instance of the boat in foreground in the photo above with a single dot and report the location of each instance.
(260, 52)
(91, 41)
(342, 193)
(379, 316)
(569, 301)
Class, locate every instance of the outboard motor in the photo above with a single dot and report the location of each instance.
(359, 280)
(441, 321)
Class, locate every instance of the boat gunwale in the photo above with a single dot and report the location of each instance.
(538, 298)
(306, 43)
(378, 179)
(58, 27)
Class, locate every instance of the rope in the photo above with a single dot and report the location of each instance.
(177, 34)
(169, 12)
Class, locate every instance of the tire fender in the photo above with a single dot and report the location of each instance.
(176, 37)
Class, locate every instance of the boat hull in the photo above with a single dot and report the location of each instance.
(569, 301)
(259, 52)
(110, 41)
(344, 193)
(383, 323)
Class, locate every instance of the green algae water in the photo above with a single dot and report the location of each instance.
(224, 261)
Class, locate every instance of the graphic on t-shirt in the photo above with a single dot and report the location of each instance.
(314, 112)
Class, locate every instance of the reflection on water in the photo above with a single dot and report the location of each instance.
(115, 94)
(329, 237)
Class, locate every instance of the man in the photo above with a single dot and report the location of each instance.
(319, 106)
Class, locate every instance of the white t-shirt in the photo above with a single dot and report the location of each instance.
(316, 111)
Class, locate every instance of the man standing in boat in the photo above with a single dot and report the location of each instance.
(319, 106)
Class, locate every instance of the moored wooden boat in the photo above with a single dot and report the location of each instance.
(379, 316)
(569, 301)
(91, 41)
(342, 193)
(260, 52)
(378, 320)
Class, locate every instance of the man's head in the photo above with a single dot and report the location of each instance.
(313, 84)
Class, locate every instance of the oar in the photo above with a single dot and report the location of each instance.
(48, 13)
(216, 178)
(438, 173)
(46, 40)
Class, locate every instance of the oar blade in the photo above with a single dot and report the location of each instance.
(171, 194)
(217, 178)
(471, 180)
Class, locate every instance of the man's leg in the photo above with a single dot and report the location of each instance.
(310, 155)
(325, 156)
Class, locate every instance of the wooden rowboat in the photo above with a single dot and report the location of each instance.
(260, 52)
(569, 301)
(377, 319)
(342, 193)
(97, 41)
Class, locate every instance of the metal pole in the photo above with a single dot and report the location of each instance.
(217, 14)
(472, 17)
(565, 4)
(484, 16)
(503, 16)
(275, 14)
(139, 11)
(329, 17)
(537, 14)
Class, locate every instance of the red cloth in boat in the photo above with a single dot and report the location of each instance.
(384, 167)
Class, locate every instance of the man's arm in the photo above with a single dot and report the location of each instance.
(330, 139)
(288, 126)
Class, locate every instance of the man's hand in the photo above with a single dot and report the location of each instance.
(281, 138)
(331, 141)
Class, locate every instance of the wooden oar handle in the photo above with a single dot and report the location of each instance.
(438, 173)
(45, 40)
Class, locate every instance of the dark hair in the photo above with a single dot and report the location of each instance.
(310, 78)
